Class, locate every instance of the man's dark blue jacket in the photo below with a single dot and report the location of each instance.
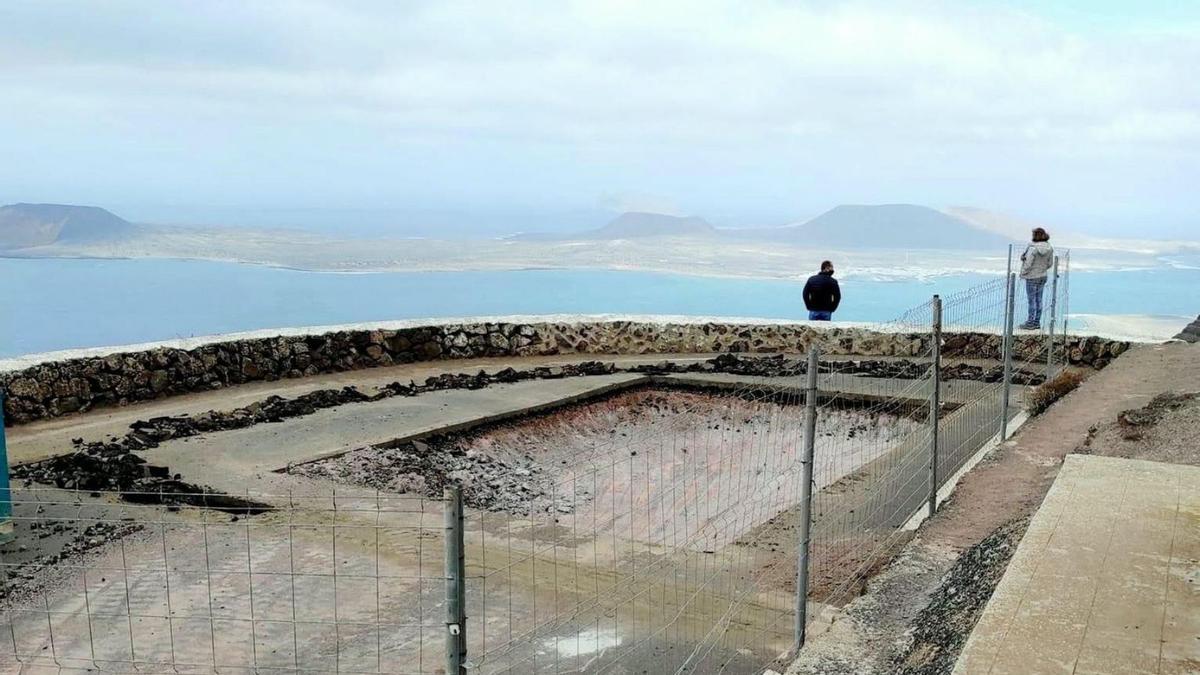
(821, 293)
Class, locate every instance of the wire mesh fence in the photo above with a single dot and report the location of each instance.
(698, 533)
(646, 551)
(315, 584)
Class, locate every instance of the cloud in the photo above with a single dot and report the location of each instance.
(590, 95)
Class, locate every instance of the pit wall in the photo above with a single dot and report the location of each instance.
(62, 387)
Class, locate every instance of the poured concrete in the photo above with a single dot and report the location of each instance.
(1105, 580)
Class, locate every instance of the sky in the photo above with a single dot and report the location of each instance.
(1082, 114)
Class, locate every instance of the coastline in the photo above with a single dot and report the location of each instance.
(870, 272)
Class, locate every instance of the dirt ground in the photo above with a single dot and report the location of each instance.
(881, 632)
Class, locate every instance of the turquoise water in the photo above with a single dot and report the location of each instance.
(60, 304)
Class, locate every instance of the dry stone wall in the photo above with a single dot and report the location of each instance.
(63, 387)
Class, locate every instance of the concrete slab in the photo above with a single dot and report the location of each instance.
(547, 590)
(1105, 579)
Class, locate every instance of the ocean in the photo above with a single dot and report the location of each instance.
(56, 304)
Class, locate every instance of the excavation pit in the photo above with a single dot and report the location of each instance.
(617, 526)
(654, 456)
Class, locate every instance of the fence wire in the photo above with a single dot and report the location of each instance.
(660, 529)
(347, 584)
(648, 549)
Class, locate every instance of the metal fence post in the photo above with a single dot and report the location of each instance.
(1053, 319)
(1009, 311)
(6, 524)
(456, 582)
(935, 403)
(806, 466)
(1066, 300)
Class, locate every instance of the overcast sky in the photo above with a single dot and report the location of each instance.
(1083, 114)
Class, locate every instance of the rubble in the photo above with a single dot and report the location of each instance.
(517, 486)
(779, 366)
(50, 541)
(943, 626)
(112, 467)
(553, 462)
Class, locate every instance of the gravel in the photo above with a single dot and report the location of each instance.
(942, 628)
(1134, 423)
(55, 528)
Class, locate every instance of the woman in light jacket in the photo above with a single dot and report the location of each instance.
(1036, 262)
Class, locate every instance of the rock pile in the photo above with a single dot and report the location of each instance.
(149, 433)
(63, 387)
(779, 366)
(1191, 332)
(1134, 423)
(518, 486)
(112, 467)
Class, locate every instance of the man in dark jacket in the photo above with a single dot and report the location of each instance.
(822, 295)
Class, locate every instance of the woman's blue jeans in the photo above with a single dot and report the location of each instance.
(1033, 290)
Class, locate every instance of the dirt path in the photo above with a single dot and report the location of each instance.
(875, 634)
(1013, 483)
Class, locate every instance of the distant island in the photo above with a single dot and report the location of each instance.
(30, 225)
(855, 226)
(880, 241)
(848, 226)
(891, 226)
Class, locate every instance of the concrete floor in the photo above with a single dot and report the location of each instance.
(1105, 580)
